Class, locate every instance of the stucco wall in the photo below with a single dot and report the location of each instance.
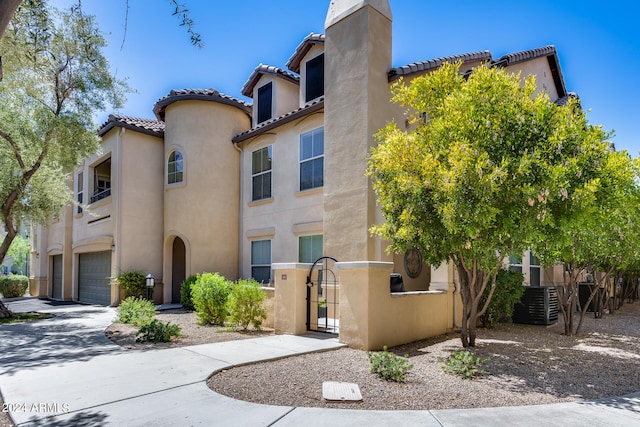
(540, 68)
(203, 210)
(357, 58)
(140, 217)
(289, 213)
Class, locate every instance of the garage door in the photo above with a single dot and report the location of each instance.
(57, 277)
(94, 270)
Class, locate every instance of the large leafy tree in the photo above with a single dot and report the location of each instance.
(595, 231)
(470, 181)
(55, 80)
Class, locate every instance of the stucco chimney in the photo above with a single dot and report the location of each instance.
(357, 60)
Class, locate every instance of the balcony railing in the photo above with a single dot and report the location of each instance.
(101, 195)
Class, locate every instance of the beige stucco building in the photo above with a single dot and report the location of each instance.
(216, 183)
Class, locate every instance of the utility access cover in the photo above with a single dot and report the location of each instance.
(341, 392)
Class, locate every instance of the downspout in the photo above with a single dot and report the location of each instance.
(241, 212)
(118, 206)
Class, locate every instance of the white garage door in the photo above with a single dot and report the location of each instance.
(94, 270)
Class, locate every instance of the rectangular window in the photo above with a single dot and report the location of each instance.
(101, 181)
(314, 78)
(79, 192)
(309, 248)
(261, 260)
(534, 270)
(261, 163)
(312, 159)
(264, 102)
(515, 263)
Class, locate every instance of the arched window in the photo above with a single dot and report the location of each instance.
(174, 168)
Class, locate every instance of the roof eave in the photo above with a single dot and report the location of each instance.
(312, 108)
(160, 107)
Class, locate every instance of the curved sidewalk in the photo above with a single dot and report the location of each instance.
(64, 372)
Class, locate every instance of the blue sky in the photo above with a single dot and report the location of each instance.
(598, 44)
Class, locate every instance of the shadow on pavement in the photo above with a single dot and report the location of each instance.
(75, 333)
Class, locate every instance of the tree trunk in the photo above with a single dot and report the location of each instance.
(5, 313)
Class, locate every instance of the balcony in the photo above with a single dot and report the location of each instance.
(101, 195)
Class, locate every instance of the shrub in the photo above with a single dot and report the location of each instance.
(246, 304)
(185, 292)
(133, 283)
(389, 366)
(136, 311)
(509, 290)
(464, 364)
(158, 331)
(210, 293)
(13, 286)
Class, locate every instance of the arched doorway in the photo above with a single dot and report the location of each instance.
(178, 268)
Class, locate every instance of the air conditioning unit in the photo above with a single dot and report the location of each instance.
(538, 306)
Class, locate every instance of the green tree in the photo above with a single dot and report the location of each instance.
(469, 182)
(595, 230)
(55, 80)
(19, 251)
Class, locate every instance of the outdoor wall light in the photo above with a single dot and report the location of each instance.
(150, 282)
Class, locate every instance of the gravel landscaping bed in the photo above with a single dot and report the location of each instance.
(528, 365)
(192, 333)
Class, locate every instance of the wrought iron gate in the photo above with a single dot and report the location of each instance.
(323, 314)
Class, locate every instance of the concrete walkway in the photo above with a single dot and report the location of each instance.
(63, 371)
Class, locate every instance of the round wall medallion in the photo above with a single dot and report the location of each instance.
(413, 263)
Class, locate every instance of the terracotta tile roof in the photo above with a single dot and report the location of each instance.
(432, 64)
(307, 43)
(309, 108)
(247, 89)
(148, 126)
(201, 95)
(525, 55)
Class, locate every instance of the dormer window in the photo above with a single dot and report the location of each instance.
(315, 78)
(265, 95)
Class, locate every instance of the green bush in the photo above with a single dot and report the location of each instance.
(389, 366)
(509, 290)
(210, 293)
(158, 331)
(13, 286)
(185, 292)
(136, 311)
(246, 304)
(464, 364)
(134, 284)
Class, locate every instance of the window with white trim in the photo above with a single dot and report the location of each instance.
(312, 159)
(534, 270)
(175, 167)
(309, 248)
(79, 192)
(261, 260)
(515, 262)
(261, 164)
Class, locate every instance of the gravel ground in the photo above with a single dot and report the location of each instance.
(528, 365)
(192, 333)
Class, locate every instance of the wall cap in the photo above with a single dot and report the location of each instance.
(290, 266)
(364, 265)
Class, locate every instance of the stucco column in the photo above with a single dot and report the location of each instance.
(357, 60)
(364, 288)
(290, 311)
